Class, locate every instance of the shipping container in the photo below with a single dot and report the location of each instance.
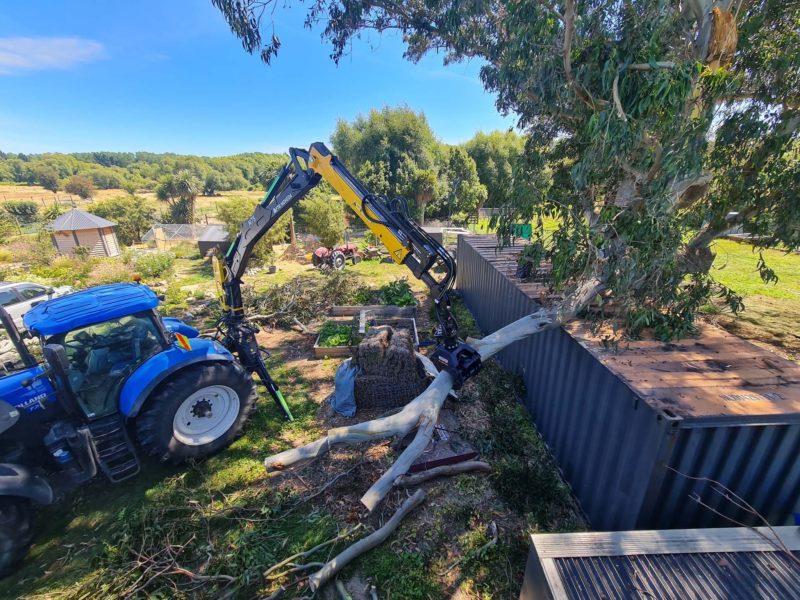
(640, 428)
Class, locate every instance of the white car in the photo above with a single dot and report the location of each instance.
(19, 297)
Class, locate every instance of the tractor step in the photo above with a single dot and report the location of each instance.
(114, 452)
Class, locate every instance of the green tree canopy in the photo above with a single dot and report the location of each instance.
(80, 185)
(387, 136)
(236, 210)
(496, 155)
(46, 176)
(133, 215)
(323, 215)
(465, 193)
(660, 125)
(179, 191)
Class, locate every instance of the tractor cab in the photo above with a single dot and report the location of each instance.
(105, 332)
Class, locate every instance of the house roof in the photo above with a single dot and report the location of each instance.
(76, 219)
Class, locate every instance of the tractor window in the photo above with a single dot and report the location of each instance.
(101, 357)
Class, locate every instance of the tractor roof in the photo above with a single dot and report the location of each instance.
(89, 306)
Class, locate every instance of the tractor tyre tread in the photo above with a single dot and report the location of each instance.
(16, 532)
(154, 425)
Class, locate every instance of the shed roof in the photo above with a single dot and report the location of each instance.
(185, 232)
(213, 233)
(76, 219)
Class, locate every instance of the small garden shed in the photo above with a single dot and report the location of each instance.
(79, 228)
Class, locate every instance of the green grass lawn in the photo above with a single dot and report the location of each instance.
(772, 310)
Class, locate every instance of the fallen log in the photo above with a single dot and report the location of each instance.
(341, 560)
(443, 471)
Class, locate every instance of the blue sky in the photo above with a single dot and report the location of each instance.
(168, 76)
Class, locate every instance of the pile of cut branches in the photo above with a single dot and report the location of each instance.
(302, 298)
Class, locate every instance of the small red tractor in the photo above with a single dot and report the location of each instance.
(336, 257)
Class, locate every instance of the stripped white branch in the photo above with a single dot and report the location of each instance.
(341, 560)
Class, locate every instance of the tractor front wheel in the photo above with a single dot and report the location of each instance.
(198, 412)
(16, 532)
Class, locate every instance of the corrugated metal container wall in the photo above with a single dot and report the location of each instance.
(612, 445)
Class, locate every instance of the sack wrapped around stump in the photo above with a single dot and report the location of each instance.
(390, 374)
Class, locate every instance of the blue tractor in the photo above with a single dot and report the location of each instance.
(113, 371)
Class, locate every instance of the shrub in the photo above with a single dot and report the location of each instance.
(24, 211)
(108, 271)
(5, 255)
(7, 227)
(80, 185)
(154, 264)
(133, 215)
(34, 249)
(64, 270)
(52, 212)
(397, 293)
(323, 215)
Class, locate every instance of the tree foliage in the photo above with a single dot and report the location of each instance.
(496, 156)
(323, 215)
(45, 176)
(652, 127)
(394, 148)
(140, 171)
(235, 210)
(133, 215)
(179, 191)
(465, 192)
(22, 211)
(80, 185)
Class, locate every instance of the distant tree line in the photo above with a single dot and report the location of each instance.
(80, 173)
(393, 151)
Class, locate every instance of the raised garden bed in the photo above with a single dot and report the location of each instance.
(340, 335)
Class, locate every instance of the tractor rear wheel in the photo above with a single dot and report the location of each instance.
(16, 532)
(337, 259)
(198, 412)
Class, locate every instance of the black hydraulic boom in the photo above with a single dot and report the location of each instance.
(388, 219)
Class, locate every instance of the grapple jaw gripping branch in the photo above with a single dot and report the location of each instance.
(407, 243)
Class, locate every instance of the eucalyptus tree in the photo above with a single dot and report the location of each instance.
(652, 127)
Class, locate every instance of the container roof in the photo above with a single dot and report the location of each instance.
(76, 219)
(89, 306)
(715, 374)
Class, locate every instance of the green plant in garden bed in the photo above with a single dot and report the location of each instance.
(334, 334)
(397, 293)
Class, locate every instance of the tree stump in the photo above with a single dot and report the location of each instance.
(390, 374)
